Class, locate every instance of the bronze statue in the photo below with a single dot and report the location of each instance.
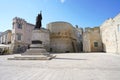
(38, 21)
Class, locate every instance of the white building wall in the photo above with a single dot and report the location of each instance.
(111, 35)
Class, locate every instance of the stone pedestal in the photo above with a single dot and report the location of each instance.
(37, 46)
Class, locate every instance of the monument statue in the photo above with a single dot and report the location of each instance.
(38, 21)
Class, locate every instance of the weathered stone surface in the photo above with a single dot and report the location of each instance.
(90, 36)
(62, 37)
(37, 48)
(110, 33)
(43, 36)
(35, 51)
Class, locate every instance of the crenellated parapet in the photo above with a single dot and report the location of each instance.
(92, 30)
(18, 20)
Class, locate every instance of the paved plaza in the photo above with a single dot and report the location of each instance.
(70, 66)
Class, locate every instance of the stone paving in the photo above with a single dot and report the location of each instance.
(70, 66)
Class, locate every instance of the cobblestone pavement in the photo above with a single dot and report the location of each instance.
(70, 66)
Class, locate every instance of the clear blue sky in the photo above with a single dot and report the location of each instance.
(84, 13)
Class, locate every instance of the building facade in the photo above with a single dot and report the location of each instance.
(5, 42)
(92, 40)
(21, 35)
(110, 33)
(5, 37)
(59, 37)
(63, 38)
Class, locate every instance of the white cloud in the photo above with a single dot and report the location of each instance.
(62, 1)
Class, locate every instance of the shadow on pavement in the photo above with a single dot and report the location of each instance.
(69, 59)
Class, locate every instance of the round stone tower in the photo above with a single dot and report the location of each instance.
(62, 37)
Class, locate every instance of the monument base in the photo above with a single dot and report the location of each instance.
(36, 52)
(36, 49)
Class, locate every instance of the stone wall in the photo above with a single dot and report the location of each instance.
(92, 40)
(110, 33)
(79, 35)
(86, 42)
(62, 37)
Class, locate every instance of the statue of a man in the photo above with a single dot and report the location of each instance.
(38, 21)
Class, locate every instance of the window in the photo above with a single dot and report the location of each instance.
(95, 44)
(19, 37)
(19, 26)
(13, 25)
(80, 36)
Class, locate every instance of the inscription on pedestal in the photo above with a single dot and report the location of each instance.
(36, 42)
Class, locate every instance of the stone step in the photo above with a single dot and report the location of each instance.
(32, 57)
(35, 52)
(36, 46)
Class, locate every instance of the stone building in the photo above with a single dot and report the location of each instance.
(62, 37)
(21, 35)
(92, 40)
(5, 42)
(5, 37)
(110, 33)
